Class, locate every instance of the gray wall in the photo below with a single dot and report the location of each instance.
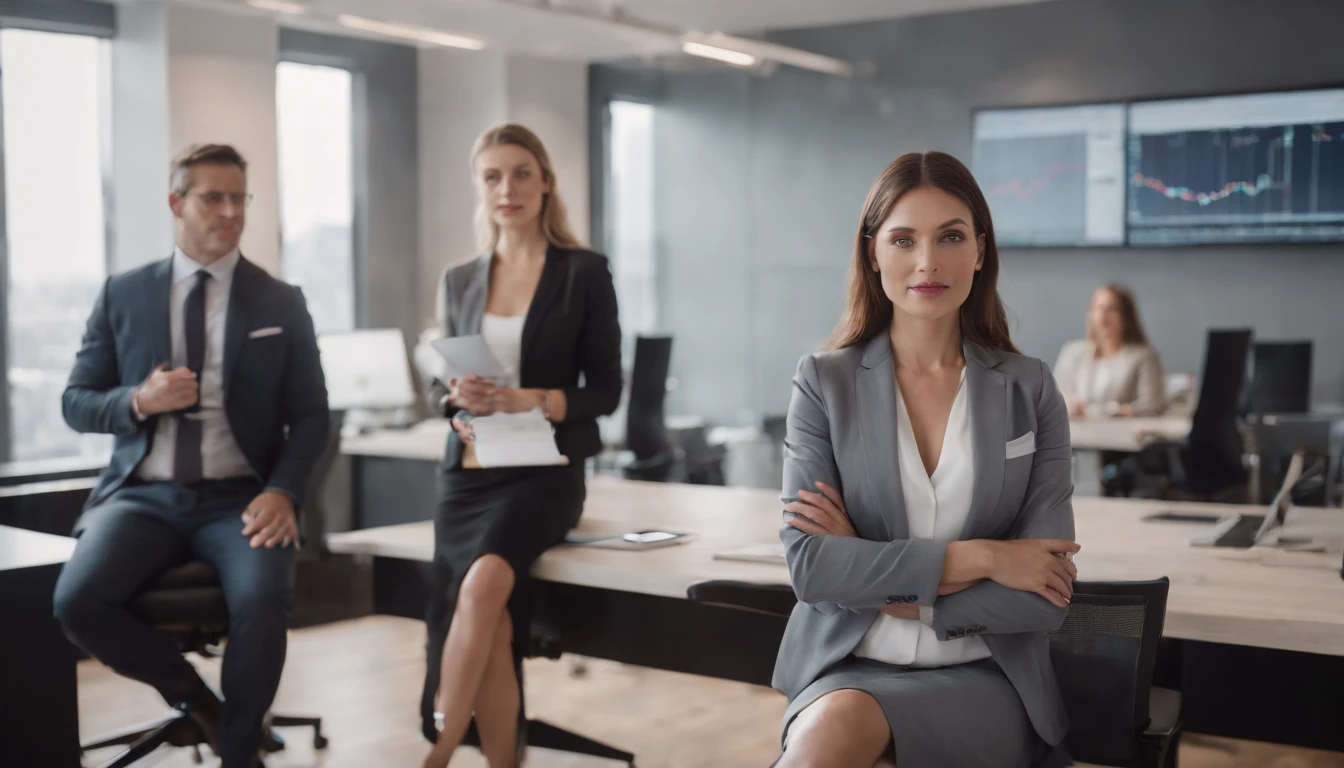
(760, 180)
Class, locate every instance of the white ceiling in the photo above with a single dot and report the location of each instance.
(579, 29)
(755, 15)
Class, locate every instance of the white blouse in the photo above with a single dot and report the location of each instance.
(504, 336)
(936, 509)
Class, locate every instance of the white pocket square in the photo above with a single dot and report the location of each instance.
(262, 333)
(1022, 446)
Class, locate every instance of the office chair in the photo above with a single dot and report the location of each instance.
(1334, 472)
(186, 602)
(1209, 460)
(1104, 655)
(769, 599)
(702, 463)
(645, 423)
(1280, 378)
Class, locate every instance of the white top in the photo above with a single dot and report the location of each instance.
(220, 455)
(936, 509)
(504, 336)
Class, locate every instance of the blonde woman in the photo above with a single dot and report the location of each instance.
(546, 307)
(1112, 372)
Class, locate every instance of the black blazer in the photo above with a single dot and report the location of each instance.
(571, 329)
(275, 396)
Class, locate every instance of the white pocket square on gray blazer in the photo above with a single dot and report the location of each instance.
(1021, 446)
(262, 333)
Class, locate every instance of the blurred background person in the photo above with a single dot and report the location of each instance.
(1113, 371)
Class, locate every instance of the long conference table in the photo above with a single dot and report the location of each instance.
(1254, 638)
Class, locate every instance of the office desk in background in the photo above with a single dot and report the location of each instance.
(1124, 434)
(392, 476)
(1275, 618)
(38, 696)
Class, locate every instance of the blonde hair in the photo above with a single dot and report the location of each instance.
(554, 221)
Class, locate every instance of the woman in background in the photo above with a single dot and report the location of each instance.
(546, 308)
(1112, 372)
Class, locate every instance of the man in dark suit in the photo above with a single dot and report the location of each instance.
(206, 370)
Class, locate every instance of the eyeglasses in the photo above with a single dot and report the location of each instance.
(216, 199)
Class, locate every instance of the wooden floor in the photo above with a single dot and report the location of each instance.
(364, 678)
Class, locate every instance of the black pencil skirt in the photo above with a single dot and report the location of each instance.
(516, 513)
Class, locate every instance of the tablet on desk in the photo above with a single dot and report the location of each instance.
(634, 540)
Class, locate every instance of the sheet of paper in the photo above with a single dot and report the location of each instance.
(468, 356)
(516, 440)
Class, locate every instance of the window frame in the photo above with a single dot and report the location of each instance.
(607, 239)
(359, 158)
(359, 150)
(72, 17)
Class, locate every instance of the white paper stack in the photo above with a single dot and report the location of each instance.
(515, 440)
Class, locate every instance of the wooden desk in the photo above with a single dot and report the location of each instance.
(1275, 617)
(1123, 434)
(1262, 597)
(39, 699)
(423, 441)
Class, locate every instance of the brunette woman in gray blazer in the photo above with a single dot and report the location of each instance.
(929, 522)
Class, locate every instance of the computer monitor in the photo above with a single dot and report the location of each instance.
(366, 370)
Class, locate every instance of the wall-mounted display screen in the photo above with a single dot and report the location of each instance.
(1054, 176)
(1235, 169)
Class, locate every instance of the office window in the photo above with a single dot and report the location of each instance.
(317, 209)
(629, 215)
(55, 111)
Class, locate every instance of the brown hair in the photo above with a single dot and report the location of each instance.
(200, 154)
(868, 311)
(1131, 329)
(554, 220)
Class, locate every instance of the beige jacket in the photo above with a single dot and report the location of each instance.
(1132, 377)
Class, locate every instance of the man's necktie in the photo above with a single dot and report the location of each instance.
(187, 448)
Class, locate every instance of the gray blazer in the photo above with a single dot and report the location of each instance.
(842, 431)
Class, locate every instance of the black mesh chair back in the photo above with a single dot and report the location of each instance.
(1280, 378)
(645, 426)
(1104, 655)
(770, 599)
(1334, 473)
(1213, 456)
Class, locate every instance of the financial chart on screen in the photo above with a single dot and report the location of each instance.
(1259, 168)
(1053, 175)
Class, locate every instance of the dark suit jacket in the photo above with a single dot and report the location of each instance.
(571, 329)
(275, 397)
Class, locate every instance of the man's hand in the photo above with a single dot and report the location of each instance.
(165, 391)
(270, 521)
